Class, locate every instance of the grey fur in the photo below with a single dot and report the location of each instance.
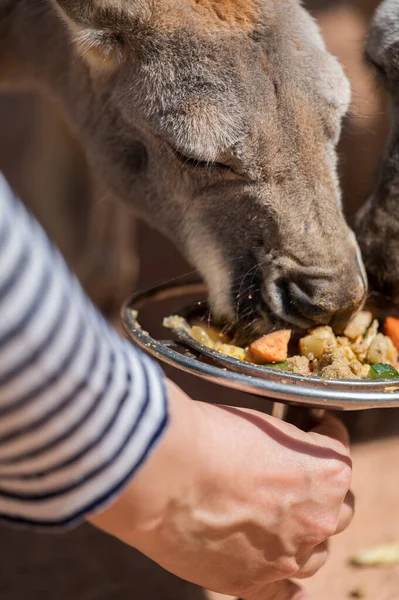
(147, 82)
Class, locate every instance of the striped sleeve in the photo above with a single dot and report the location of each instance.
(80, 408)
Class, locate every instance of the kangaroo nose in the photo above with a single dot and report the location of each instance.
(330, 309)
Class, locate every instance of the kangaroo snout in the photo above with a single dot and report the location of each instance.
(281, 290)
(323, 301)
(298, 287)
(304, 300)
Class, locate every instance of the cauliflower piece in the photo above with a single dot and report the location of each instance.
(361, 348)
(382, 350)
(317, 342)
(371, 332)
(358, 325)
(349, 353)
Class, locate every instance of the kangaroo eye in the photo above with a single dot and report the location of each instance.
(194, 163)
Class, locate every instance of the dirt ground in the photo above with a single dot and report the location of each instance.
(376, 485)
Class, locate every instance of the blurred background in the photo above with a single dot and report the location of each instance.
(101, 240)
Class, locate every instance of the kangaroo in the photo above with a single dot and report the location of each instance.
(217, 121)
(377, 223)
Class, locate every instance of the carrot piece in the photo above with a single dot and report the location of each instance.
(271, 348)
(391, 328)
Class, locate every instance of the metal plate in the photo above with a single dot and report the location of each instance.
(191, 357)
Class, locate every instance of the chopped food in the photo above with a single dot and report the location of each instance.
(230, 350)
(362, 344)
(363, 352)
(202, 336)
(381, 371)
(391, 328)
(216, 340)
(319, 341)
(334, 364)
(271, 348)
(300, 365)
(282, 365)
(209, 336)
(176, 322)
(380, 556)
(382, 350)
(358, 325)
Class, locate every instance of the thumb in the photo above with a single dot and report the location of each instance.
(282, 590)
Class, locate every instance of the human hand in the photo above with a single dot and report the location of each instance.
(237, 501)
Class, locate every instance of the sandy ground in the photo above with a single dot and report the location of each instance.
(376, 485)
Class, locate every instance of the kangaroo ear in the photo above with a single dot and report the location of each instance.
(96, 28)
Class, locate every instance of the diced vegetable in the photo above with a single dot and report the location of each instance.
(317, 342)
(232, 351)
(348, 352)
(201, 336)
(371, 332)
(362, 344)
(271, 348)
(358, 325)
(382, 371)
(282, 365)
(364, 371)
(209, 336)
(391, 328)
(362, 352)
(382, 350)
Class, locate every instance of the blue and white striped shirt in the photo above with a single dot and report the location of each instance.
(80, 408)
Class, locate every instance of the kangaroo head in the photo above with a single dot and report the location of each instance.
(218, 121)
(378, 221)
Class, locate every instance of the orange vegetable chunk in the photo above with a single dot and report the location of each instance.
(271, 348)
(391, 328)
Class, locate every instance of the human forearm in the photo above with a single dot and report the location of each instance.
(79, 407)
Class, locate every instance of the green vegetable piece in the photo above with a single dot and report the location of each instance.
(282, 366)
(382, 371)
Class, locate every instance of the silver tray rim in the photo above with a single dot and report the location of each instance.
(281, 387)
